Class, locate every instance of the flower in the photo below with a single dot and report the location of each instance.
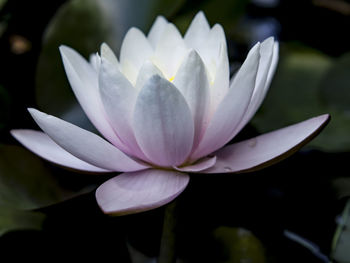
(166, 109)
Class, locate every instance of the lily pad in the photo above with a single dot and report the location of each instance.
(14, 219)
(341, 240)
(26, 184)
(239, 245)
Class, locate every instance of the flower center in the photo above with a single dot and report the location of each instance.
(171, 79)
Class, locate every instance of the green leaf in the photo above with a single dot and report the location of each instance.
(238, 245)
(341, 240)
(14, 219)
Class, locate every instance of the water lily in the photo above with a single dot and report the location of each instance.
(165, 109)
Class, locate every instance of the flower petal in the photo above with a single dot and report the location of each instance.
(267, 149)
(267, 56)
(108, 54)
(118, 97)
(163, 123)
(200, 165)
(147, 70)
(85, 145)
(192, 81)
(197, 32)
(170, 51)
(134, 51)
(41, 144)
(83, 80)
(156, 30)
(230, 111)
(135, 192)
(221, 81)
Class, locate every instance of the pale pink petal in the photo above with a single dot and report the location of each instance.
(197, 32)
(84, 82)
(267, 149)
(191, 79)
(232, 108)
(136, 192)
(198, 166)
(163, 123)
(118, 97)
(41, 144)
(85, 145)
(156, 30)
(170, 51)
(134, 51)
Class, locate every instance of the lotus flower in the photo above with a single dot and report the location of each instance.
(166, 109)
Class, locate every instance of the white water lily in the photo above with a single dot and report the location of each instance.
(166, 109)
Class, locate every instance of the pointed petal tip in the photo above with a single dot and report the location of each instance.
(136, 192)
(269, 148)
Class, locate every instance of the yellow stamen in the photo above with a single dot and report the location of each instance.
(172, 78)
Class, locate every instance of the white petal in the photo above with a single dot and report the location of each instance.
(95, 61)
(269, 60)
(221, 82)
(134, 51)
(156, 30)
(232, 108)
(118, 97)
(147, 70)
(170, 51)
(136, 192)
(197, 32)
(267, 149)
(108, 54)
(163, 124)
(41, 144)
(213, 50)
(191, 79)
(85, 145)
(84, 83)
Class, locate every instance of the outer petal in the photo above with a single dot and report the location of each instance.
(135, 192)
(191, 79)
(156, 30)
(266, 149)
(134, 51)
(83, 79)
(200, 165)
(118, 97)
(197, 32)
(163, 123)
(170, 51)
(267, 66)
(41, 144)
(231, 109)
(85, 145)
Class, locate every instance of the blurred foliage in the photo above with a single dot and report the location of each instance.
(25, 184)
(341, 240)
(238, 245)
(309, 83)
